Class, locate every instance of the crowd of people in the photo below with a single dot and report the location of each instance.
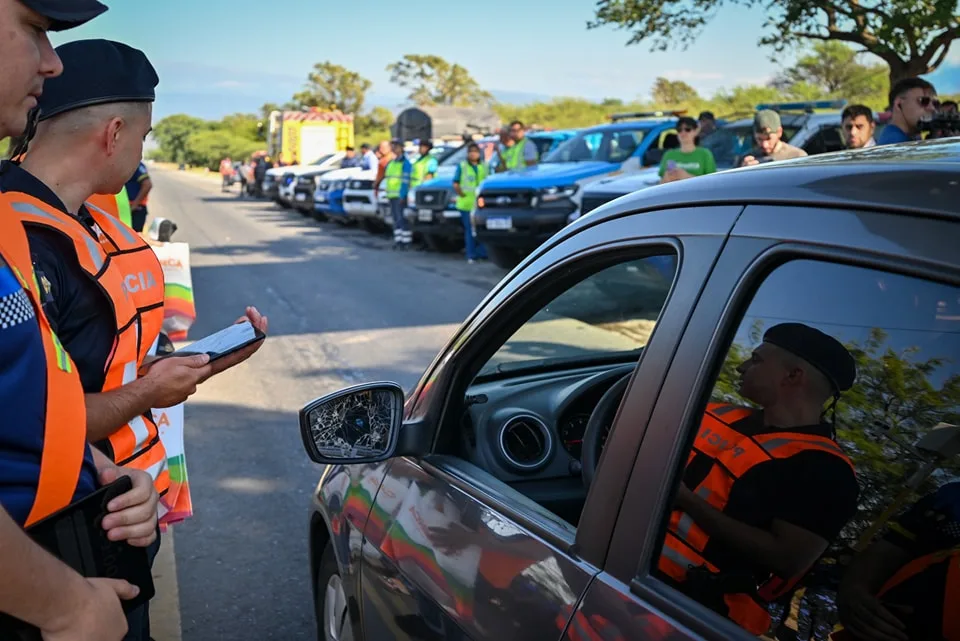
(81, 305)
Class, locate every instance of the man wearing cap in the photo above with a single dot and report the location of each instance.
(764, 492)
(45, 463)
(768, 135)
(103, 285)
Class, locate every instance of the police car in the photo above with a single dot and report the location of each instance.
(328, 196)
(280, 182)
(518, 210)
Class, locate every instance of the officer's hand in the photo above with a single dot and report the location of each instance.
(749, 161)
(864, 616)
(257, 320)
(174, 379)
(133, 515)
(92, 613)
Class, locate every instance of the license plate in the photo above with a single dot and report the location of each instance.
(500, 223)
(425, 215)
(300, 197)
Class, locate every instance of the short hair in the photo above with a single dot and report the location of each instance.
(706, 115)
(906, 84)
(517, 123)
(471, 146)
(349, 148)
(77, 120)
(948, 103)
(365, 145)
(854, 111)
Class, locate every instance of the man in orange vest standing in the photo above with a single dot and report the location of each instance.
(764, 492)
(102, 284)
(45, 463)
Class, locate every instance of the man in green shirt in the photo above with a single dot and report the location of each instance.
(689, 160)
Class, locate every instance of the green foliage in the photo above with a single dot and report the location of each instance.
(332, 86)
(434, 81)
(911, 37)
(172, 134)
(673, 92)
(831, 70)
(193, 141)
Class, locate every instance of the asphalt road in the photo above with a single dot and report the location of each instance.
(343, 308)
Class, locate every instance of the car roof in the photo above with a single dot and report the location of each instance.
(646, 123)
(792, 119)
(910, 178)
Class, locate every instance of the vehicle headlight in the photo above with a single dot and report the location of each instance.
(412, 197)
(553, 194)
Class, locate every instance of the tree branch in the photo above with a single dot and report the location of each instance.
(941, 42)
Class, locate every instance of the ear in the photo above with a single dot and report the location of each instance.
(112, 133)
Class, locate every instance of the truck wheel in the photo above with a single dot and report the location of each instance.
(442, 244)
(504, 258)
(332, 605)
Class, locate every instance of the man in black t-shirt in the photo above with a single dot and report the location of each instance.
(766, 491)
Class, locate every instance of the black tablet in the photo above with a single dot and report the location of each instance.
(223, 343)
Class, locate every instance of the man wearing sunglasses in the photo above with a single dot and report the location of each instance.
(911, 100)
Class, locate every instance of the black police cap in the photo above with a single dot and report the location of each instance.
(98, 72)
(822, 351)
(66, 14)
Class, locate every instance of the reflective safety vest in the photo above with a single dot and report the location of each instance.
(951, 589)
(65, 418)
(117, 206)
(393, 178)
(419, 171)
(470, 179)
(128, 272)
(513, 156)
(734, 454)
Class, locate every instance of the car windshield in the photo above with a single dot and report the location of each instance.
(322, 159)
(604, 145)
(607, 316)
(731, 141)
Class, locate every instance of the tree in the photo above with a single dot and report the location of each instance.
(831, 70)
(912, 38)
(207, 148)
(434, 81)
(172, 134)
(673, 92)
(332, 86)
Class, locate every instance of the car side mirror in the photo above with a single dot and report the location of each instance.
(358, 424)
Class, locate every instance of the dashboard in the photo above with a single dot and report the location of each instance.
(528, 431)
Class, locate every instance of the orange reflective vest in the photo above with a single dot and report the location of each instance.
(951, 588)
(126, 269)
(65, 432)
(105, 203)
(734, 455)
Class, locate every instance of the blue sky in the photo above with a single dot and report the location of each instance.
(217, 56)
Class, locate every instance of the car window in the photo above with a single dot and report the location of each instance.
(606, 146)
(822, 485)
(609, 313)
(827, 139)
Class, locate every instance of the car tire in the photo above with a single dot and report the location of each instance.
(442, 244)
(504, 258)
(373, 226)
(332, 605)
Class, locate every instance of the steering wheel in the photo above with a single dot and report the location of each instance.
(598, 427)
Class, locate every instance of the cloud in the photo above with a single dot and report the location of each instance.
(953, 55)
(691, 74)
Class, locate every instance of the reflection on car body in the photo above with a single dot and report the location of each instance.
(527, 488)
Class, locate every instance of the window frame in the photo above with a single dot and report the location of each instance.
(753, 252)
(697, 233)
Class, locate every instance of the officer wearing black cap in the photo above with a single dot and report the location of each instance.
(766, 491)
(40, 590)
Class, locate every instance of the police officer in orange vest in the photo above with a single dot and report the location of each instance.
(906, 585)
(102, 283)
(764, 492)
(45, 462)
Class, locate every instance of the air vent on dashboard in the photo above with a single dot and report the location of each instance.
(525, 442)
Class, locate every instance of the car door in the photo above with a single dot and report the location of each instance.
(458, 550)
(888, 287)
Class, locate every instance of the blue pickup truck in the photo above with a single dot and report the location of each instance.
(431, 212)
(518, 210)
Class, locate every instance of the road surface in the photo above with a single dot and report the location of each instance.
(343, 308)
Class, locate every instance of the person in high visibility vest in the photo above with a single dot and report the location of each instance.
(117, 205)
(764, 492)
(906, 585)
(470, 173)
(45, 461)
(425, 167)
(396, 183)
(102, 284)
(521, 154)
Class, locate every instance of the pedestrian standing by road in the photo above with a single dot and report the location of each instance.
(466, 181)
(690, 159)
(522, 153)
(102, 285)
(138, 188)
(768, 136)
(911, 100)
(368, 159)
(45, 462)
(350, 159)
(425, 167)
(396, 182)
(858, 127)
(708, 123)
